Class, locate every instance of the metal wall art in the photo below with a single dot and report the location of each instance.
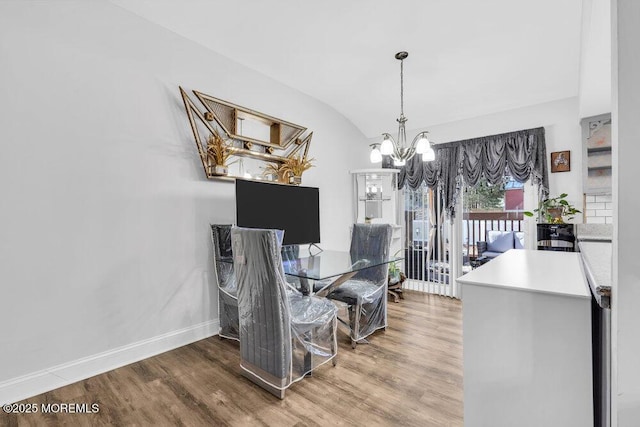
(561, 161)
(218, 137)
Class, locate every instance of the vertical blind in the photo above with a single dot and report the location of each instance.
(428, 243)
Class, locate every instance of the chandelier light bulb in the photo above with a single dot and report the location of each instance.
(423, 145)
(387, 146)
(397, 162)
(429, 155)
(375, 156)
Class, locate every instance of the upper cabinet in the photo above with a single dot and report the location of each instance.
(376, 200)
(376, 195)
(596, 141)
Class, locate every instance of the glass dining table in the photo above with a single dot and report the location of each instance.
(327, 269)
(321, 273)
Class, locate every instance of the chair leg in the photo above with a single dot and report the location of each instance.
(394, 295)
(279, 393)
(354, 323)
(334, 344)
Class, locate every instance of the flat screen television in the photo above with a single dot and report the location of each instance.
(294, 209)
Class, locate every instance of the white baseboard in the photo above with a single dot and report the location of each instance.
(30, 385)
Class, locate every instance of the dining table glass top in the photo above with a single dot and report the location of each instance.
(329, 264)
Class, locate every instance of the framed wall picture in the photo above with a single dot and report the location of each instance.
(561, 161)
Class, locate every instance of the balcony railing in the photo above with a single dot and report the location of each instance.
(476, 224)
(427, 268)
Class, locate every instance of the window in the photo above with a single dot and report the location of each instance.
(490, 207)
(427, 238)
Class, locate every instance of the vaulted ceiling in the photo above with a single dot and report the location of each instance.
(466, 57)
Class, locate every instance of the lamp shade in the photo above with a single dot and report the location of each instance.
(423, 145)
(387, 147)
(429, 155)
(375, 156)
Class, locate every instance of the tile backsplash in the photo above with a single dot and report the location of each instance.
(598, 209)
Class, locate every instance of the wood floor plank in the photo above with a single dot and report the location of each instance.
(409, 375)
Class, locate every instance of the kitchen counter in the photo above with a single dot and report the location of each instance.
(533, 271)
(526, 320)
(594, 244)
(597, 261)
(596, 256)
(594, 232)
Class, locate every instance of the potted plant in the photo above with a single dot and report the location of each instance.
(396, 277)
(289, 171)
(296, 166)
(554, 210)
(217, 155)
(276, 172)
(394, 271)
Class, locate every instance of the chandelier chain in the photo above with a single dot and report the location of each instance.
(401, 87)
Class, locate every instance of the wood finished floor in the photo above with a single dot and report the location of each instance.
(409, 375)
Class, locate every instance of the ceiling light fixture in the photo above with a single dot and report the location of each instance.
(398, 150)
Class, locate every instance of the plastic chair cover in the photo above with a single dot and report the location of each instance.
(283, 334)
(227, 289)
(366, 291)
(290, 254)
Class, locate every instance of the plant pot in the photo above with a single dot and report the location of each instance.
(218, 170)
(556, 215)
(296, 180)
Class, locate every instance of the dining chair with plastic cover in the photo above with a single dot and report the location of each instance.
(227, 289)
(366, 292)
(284, 334)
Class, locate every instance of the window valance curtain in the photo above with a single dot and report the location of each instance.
(521, 154)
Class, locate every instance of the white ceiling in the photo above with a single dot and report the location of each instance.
(466, 57)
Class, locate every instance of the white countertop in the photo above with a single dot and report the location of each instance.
(594, 232)
(597, 257)
(549, 272)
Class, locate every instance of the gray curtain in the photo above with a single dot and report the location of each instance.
(521, 154)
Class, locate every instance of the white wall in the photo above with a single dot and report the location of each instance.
(105, 209)
(595, 58)
(626, 175)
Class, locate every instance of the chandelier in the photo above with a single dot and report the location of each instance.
(398, 149)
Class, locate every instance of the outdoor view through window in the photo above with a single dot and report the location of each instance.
(490, 208)
(485, 208)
